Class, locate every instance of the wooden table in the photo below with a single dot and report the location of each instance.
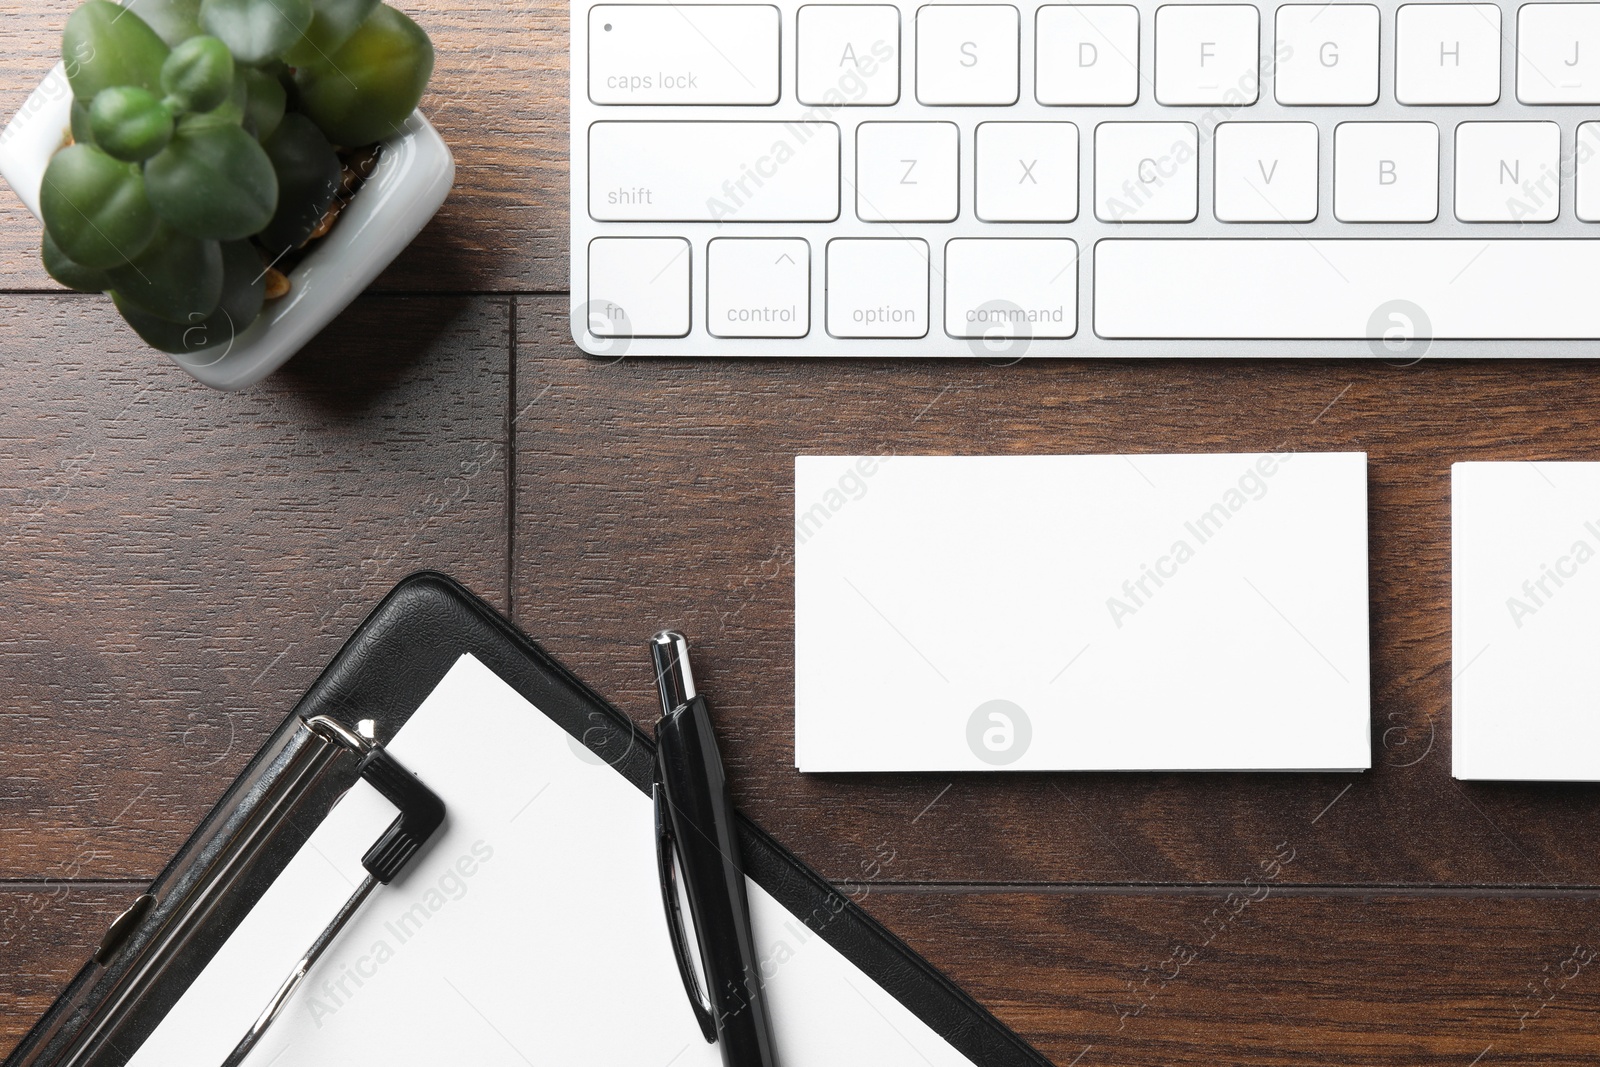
(178, 564)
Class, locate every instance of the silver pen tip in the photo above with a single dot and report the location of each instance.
(669, 653)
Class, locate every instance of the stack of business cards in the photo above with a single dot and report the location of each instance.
(1144, 612)
(1526, 620)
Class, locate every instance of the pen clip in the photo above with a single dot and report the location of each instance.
(665, 849)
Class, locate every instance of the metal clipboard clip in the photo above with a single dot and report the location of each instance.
(241, 847)
(421, 813)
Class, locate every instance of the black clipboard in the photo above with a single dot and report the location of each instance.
(396, 657)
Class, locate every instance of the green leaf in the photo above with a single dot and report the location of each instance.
(244, 284)
(366, 90)
(81, 131)
(105, 45)
(231, 111)
(308, 179)
(256, 30)
(243, 290)
(198, 75)
(213, 181)
(69, 273)
(265, 100)
(178, 278)
(95, 207)
(332, 23)
(174, 21)
(130, 124)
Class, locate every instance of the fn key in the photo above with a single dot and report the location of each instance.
(638, 287)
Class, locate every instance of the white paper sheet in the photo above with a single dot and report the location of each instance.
(1525, 610)
(1145, 612)
(529, 932)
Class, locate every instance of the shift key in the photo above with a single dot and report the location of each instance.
(683, 54)
(714, 171)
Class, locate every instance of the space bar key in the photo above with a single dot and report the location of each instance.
(1346, 289)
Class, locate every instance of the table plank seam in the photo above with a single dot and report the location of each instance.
(1175, 889)
(26, 885)
(511, 460)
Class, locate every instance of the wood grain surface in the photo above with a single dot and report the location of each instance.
(177, 565)
(1263, 977)
(47, 931)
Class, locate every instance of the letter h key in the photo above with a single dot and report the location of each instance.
(421, 813)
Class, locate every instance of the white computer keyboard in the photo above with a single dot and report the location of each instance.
(1011, 179)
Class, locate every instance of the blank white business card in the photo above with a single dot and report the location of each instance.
(1143, 612)
(1525, 613)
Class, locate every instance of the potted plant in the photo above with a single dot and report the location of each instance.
(232, 172)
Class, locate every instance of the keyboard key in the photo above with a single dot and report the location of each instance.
(1327, 54)
(1386, 172)
(1507, 171)
(1587, 205)
(906, 171)
(1266, 171)
(1346, 289)
(1145, 171)
(1011, 288)
(1208, 54)
(1447, 54)
(758, 287)
(848, 54)
(967, 54)
(714, 171)
(1027, 171)
(1086, 55)
(638, 287)
(877, 287)
(1558, 53)
(683, 54)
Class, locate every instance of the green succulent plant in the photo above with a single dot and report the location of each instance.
(205, 146)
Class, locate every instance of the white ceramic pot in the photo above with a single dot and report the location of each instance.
(414, 174)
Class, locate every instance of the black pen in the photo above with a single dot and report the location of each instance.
(695, 824)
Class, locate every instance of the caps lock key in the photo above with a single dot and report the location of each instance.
(683, 54)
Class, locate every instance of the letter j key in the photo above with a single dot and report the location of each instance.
(1558, 53)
